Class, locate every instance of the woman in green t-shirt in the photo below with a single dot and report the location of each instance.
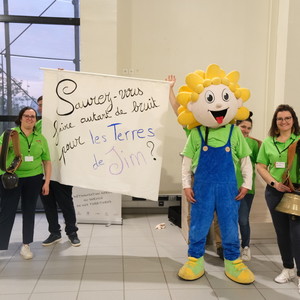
(271, 164)
(35, 163)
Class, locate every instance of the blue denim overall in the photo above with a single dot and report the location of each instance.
(215, 189)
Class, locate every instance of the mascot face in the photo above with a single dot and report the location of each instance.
(212, 98)
(216, 106)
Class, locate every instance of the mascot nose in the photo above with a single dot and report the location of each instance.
(218, 105)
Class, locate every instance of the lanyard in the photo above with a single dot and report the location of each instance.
(25, 136)
(284, 148)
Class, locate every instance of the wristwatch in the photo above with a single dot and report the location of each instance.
(272, 183)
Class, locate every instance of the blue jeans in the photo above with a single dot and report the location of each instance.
(244, 213)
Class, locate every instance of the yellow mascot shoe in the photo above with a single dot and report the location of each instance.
(192, 269)
(237, 271)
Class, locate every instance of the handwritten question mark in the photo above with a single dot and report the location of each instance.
(152, 147)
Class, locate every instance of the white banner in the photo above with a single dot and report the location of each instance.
(105, 132)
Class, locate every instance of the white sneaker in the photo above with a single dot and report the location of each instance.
(246, 254)
(25, 252)
(285, 276)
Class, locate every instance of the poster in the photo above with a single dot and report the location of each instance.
(94, 206)
(105, 132)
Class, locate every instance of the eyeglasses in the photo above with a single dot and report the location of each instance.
(286, 119)
(29, 116)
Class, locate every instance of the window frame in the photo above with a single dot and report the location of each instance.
(7, 19)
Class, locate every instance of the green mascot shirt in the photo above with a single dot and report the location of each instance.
(217, 137)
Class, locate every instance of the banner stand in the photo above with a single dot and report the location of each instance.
(93, 206)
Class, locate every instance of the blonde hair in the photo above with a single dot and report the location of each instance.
(198, 81)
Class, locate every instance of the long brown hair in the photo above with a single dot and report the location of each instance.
(274, 129)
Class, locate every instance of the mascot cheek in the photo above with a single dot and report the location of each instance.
(198, 108)
(194, 107)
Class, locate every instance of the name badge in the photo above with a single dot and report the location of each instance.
(280, 164)
(28, 158)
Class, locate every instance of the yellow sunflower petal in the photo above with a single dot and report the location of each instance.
(214, 71)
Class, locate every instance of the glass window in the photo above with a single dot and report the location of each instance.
(2, 37)
(32, 47)
(54, 41)
(58, 8)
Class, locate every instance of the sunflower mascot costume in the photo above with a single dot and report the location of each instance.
(210, 103)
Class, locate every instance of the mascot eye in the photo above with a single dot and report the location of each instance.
(209, 97)
(225, 95)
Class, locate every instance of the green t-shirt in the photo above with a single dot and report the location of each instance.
(38, 126)
(39, 152)
(217, 137)
(253, 145)
(187, 131)
(269, 154)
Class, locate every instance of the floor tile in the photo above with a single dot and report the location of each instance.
(104, 251)
(132, 241)
(193, 294)
(280, 294)
(145, 281)
(60, 267)
(20, 284)
(99, 295)
(140, 251)
(49, 283)
(129, 262)
(55, 295)
(102, 281)
(103, 265)
(147, 295)
(238, 294)
(142, 264)
(25, 267)
(15, 297)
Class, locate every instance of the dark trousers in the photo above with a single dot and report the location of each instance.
(287, 229)
(28, 190)
(244, 222)
(60, 195)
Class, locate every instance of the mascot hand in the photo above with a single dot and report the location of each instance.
(242, 193)
(189, 194)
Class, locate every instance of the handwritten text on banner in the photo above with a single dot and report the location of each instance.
(105, 132)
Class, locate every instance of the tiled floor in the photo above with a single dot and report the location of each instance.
(133, 261)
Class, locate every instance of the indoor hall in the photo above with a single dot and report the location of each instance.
(151, 39)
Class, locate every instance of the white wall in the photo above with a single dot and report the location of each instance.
(151, 39)
(291, 82)
(98, 36)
